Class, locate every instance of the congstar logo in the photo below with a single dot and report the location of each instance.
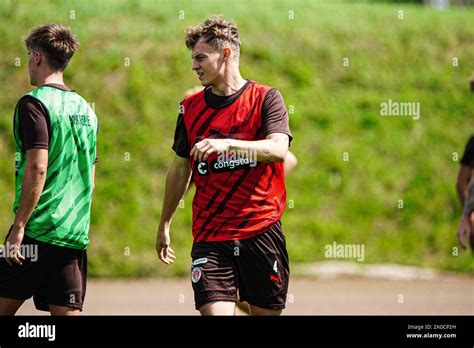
(202, 167)
(227, 161)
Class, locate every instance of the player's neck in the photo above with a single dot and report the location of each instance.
(229, 85)
(52, 78)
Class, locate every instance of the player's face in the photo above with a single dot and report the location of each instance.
(32, 67)
(208, 64)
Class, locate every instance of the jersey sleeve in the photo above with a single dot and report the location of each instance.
(181, 143)
(274, 114)
(34, 124)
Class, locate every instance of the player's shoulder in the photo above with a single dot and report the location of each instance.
(266, 90)
(29, 101)
(261, 86)
(27, 98)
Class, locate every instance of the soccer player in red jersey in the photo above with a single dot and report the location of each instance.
(231, 138)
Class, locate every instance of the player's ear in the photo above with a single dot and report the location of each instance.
(38, 57)
(227, 53)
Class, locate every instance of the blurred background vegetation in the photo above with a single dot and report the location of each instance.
(133, 65)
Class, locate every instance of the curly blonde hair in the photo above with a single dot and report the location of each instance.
(216, 32)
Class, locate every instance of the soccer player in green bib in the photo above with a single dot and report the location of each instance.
(55, 135)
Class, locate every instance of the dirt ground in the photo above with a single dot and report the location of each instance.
(341, 296)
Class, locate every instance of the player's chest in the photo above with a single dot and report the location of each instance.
(240, 122)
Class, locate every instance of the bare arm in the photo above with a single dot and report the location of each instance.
(33, 181)
(290, 162)
(32, 184)
(463, 180)
(272, 149)
(177, 182)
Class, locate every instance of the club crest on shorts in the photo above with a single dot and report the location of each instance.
(196, 274)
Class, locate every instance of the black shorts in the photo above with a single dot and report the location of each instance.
(255, 269)
(51, 274)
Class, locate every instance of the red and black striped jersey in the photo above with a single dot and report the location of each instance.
(236, 196)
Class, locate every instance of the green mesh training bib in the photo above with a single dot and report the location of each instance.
(62, 215)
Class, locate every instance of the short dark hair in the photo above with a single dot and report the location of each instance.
(56, 42)
(216, 32)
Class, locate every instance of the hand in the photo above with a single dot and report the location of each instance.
(204, 148)
(12, 245)
(464, 230)
(165, 253)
